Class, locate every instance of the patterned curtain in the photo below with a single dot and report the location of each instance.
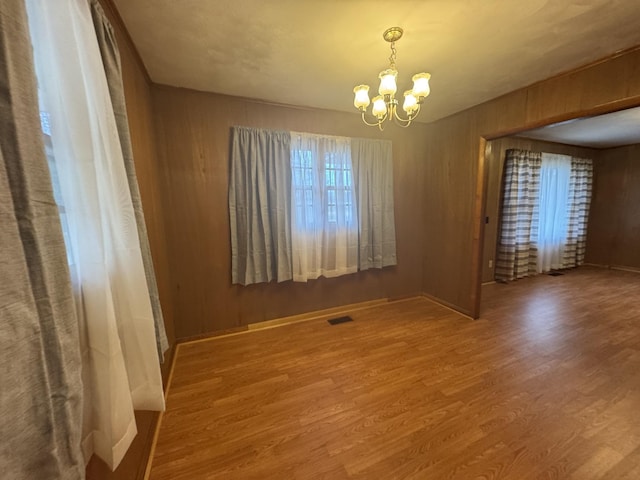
(579, 201)
(517, 254)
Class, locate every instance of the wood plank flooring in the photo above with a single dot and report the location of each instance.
(546, 385)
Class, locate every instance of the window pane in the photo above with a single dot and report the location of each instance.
(331, 197)
(330, 201)
(348, 206)
(331, 178)
(332, 214)
(347, 178)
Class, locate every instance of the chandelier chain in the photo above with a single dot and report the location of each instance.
(392, 58)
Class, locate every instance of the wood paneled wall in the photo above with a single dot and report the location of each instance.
(181, 140)
(193, 138)
(613, 237)
(451, 261)
(193, 131)
(141, 126)
(494, 167)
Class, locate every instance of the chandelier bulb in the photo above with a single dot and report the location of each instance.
(385, 105)
(379, 107)
(388, 82)
(361, 100)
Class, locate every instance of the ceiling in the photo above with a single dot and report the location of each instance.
(313, 52)
(604, 131)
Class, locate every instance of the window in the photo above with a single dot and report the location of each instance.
(550, 236)
(91, 187)
(309, 173)
(338, 182)
(302, 173)
(324, 232)
(45, 124)
(545, 209)
(303, 206)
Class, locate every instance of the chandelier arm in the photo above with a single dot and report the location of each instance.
(377, 124)
(401, 121)
(407, 125)
(407, 120)
(393, 115)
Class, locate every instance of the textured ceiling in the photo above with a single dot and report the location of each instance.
(604, 131)
(312, 52)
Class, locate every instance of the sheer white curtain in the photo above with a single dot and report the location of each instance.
(551, 235)
(324, 221)
(120, 362)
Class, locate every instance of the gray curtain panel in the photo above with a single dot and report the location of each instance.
(517, 256)
(113, 69)
(259, 206)
(580, 188)
(40, 383)
(373, 182)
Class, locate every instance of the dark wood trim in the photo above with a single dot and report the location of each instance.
(560, 144)
(450, 306)
(603, 109)
(478, 231)
(622, 268)
(145, 467)
(152, 434)
(288, 320)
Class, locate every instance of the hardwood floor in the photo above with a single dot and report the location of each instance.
(546, 385)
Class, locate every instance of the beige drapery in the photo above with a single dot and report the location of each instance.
(40, 384)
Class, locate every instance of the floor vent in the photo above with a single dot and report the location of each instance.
(556, 274)
(336, 321)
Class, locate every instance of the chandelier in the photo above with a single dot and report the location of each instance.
(385, 105)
